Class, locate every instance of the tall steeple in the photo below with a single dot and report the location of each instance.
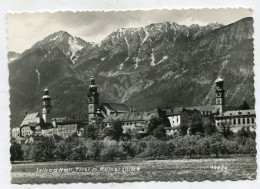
(92, 100)
(220, 95)
(46, 109)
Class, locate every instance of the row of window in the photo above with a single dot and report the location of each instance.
(133, 123)
(240, 121)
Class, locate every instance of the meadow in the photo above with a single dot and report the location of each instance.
(237, 168)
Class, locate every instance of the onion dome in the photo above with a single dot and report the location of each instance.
(219, 80)
(46, 94)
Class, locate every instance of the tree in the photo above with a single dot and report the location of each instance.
(117, 130)
(112, 150)
(91, 132)
(16, 152)
(94, 150)
(63, 150)
(242, 132)
(154, 122)
(226, 132)
(216, 145)
(130, 148)
(78, 152)
(244, 106)
(191, 145)
(159, 132)
(182, 129)
(43, 149)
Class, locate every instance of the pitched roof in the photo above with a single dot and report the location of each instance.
(31, 119)
(131, 116)
(206, 108)
(174, 111)
(179, 110)
(116, 107)
(237, 113)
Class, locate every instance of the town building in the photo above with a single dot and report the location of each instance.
(237, 119)
(178, 116)
(35, 124)
(223, 114)
(110, 112)
(133, 120)
(114, 108)
(43, 124)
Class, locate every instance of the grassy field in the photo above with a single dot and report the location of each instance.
(240, 168)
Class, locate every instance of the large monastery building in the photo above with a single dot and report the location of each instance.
(44, 124)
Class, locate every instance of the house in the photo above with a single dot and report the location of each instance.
(133, 120)
(237, 119)
(114, 108)
(29, 123)
(35, 124)
(179, 115)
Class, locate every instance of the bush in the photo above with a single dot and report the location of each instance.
(16, 152)
(112, 150)
(43, 149)
(94, 150)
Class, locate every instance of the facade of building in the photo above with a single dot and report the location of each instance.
(93, 100)
(114, 108)
(133, 120)
(237, 119)
(34, 124)
(223, 114)
(179, 115)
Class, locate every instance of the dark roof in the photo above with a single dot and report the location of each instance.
(206, 108)
(116, 107)
(179, 110)
(174, 111)
(31, 119)
(209, 108)
(237, 113)
(67, 120)
(132, 116)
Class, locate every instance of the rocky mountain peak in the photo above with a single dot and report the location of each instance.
(12, 56)
(155, 65)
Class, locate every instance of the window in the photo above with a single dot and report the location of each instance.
(244, 121)
(248, 120)
(239, 121)
(253, 120)
(234, 121)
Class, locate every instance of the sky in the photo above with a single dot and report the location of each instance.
(25, 29)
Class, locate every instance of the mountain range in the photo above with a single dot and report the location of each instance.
(159, 65)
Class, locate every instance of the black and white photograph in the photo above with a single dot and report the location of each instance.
(132, 96)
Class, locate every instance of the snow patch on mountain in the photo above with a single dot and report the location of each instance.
(12, 59)
(74, 47)
(162, 60)
(153, 59)
(177, 76)
(38, 78)
(127, 44)
(146, 36)
(122, 64)
(137, 60)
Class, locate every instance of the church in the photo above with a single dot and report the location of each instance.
(223, 114)
(36, 124)
(110, 112)
(43, 124)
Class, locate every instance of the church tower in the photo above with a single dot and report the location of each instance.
(46, 110)
(92, 100)
(220, 95)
